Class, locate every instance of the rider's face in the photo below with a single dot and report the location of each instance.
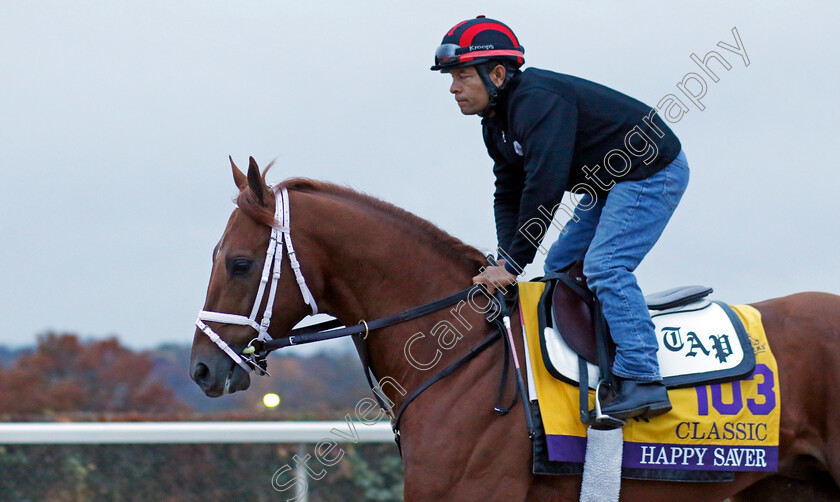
(469, 90)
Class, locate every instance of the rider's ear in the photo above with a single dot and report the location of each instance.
(255, 181)
(497, 75)
(238, 176)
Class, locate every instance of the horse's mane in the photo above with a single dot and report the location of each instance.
(451, 246)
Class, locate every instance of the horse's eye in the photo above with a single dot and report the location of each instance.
(239, 267)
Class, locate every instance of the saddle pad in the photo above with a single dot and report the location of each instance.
(699, 343)
(730, 426)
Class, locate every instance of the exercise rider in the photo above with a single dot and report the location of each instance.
(549, 133)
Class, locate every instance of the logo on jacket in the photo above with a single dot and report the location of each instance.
(517, 148)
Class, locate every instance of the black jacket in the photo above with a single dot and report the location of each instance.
(547, 126)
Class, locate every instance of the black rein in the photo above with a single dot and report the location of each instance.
(333, 329)
(325, 331)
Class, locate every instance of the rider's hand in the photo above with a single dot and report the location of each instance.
(495, 276)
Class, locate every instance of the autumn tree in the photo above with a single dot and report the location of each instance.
(65, 374)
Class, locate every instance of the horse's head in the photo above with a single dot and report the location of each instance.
(243, 281)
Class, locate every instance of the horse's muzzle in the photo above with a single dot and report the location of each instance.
(215, 380)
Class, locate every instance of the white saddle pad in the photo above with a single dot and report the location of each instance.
(699, 343)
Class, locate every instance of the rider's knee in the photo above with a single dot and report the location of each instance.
(598, 273)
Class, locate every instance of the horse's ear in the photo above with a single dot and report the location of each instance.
(255, 181)
(238, 176)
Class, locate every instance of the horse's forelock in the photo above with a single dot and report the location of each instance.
(250, 204)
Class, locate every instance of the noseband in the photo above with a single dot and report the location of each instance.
(273, 260)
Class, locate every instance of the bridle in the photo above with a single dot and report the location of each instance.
(253, 357)
(273, 260)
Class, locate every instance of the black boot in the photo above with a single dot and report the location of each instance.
(638, 398)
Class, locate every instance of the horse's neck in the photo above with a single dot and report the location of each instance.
(373, 268)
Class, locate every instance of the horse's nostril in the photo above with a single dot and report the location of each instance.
(200, 373)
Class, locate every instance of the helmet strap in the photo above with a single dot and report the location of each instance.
(493, 91)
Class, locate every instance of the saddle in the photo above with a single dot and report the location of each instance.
(701, 341)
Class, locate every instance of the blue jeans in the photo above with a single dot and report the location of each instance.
(612, 237)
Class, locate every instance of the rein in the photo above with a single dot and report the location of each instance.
(324, 331)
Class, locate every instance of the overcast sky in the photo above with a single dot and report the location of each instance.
(116, 120)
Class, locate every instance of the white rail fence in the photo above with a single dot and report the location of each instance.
(300, 433)
(191, 432)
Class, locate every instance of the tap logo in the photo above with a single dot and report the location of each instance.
(719, 346)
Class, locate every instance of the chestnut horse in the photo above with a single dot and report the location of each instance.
(363, 259)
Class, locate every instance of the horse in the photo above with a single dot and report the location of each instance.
(359, 258)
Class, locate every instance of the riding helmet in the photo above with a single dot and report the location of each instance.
(476, 41)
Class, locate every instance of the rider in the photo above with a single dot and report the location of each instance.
(549, 133)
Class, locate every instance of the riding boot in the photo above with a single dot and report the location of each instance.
(637, 398)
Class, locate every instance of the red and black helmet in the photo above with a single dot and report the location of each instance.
(475, 41)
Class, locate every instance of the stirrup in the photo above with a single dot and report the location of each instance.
(598, 419)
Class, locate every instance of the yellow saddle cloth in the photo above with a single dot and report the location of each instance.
(722, 427)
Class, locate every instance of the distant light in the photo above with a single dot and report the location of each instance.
(271, 400)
